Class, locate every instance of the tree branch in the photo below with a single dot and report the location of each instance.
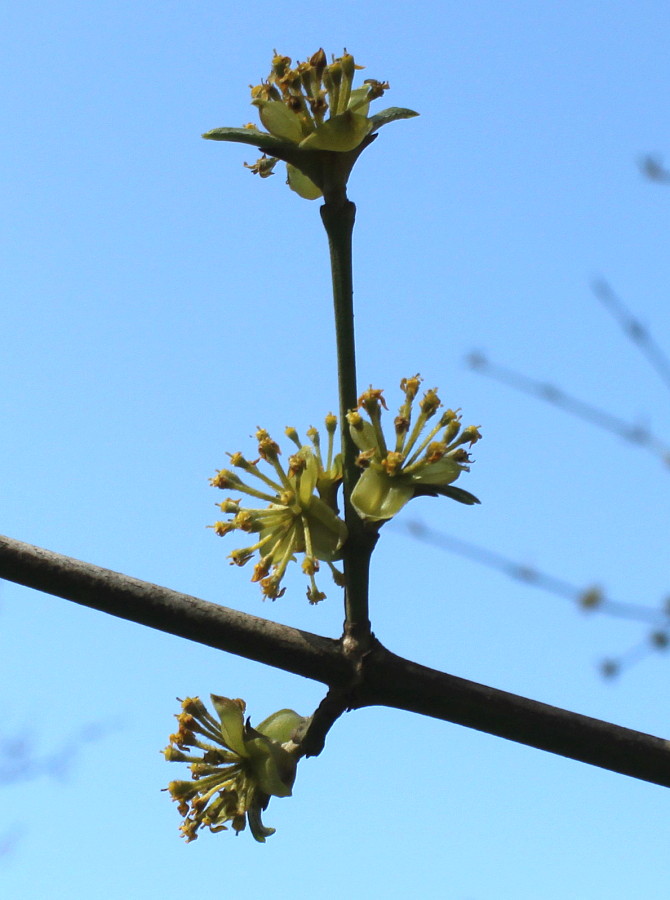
(385, 679)
(300, 652)
(392, 681)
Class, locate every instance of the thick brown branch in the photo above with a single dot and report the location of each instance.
(392, 681)
(385, 679)
(158, 607)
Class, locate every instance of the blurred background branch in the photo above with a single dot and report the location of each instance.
(590, 599)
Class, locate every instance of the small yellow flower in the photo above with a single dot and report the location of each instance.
(419, 463)
(235, 768)
(316, 121)
(301, 515)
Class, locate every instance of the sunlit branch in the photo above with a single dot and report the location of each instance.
(396, 682)
(158, 607)
(635, 434)
(633, 328)
(383, 679)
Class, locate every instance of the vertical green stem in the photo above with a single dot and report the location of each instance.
(338, 219)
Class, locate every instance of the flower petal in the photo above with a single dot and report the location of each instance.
(392, 114)
(358, 95)
(281, 725)
(258, 830)
(455, 493)
(341, 133)
(274, 769)
(308, 476)
(279, 120)
(301, 184)
(231, 715)
(327, 530)
(377, 496)
(444, 471)
(251, 136)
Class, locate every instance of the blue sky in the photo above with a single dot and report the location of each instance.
(161, 302)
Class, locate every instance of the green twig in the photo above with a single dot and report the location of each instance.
(338, 215)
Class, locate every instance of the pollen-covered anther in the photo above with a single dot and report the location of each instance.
(267, 448)
(401, 425)
(223, 528)
(364, 458)
(263, 167)
(262, 568)
(314, 595)
(240, 557)
(430, 403)
(376, 88)
(172, 754)
(410, 386)
(310, 565)
(296, 464)
(244, 520)
(471, 434)
(393, 462)
(240, 462)
(435, 451)
(280, 64)
(371, 399)
(292, 434)
(270, 587)
(451, 430)
(225, 480)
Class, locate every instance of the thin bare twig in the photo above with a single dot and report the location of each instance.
(635, 434)
(589, 599)
(633, 329)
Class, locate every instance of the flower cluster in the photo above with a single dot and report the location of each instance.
(422, 461)
(238, 767)
(295, 520)
(316, 121)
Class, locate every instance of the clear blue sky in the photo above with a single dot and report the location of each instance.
(160, 302)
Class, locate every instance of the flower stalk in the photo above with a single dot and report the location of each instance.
(338, 216)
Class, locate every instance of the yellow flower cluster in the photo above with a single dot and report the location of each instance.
(235, 768)
(316, 121)
(422, 461)
(301, 512)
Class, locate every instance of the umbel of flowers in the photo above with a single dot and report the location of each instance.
(301, 512)
(235, 768)
(316, 121)
(422, 458)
